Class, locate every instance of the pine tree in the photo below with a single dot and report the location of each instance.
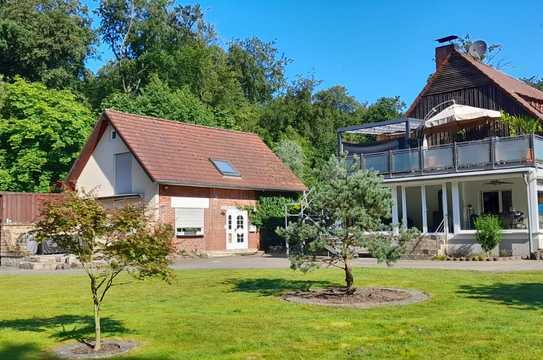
(346, 213)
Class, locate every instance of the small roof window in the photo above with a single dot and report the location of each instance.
(225, 168)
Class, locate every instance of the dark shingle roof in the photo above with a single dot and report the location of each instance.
(523, 93)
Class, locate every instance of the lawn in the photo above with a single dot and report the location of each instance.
(237, 314)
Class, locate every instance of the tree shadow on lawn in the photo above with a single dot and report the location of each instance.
(276, 286)
(70, 327)
(527, 296)
(27, 351)
(23, 352)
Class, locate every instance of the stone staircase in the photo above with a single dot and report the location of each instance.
(424, 247)
(49, 262)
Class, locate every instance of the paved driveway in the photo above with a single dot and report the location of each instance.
(271, 262)
(266, 262)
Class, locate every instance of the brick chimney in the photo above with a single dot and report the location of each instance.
(442, 52)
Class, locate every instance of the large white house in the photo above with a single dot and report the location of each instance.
(452, 159)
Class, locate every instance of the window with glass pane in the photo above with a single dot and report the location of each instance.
(240, 238)
(507, 201)
(189, 222)
(491, 202)
(240, 222)
(225, 168)
(123, 173)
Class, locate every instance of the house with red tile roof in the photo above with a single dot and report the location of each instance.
(198, 179)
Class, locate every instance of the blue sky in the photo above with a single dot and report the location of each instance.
(376, 48)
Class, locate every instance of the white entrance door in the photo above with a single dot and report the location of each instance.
(237, 235)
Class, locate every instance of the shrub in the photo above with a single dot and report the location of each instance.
(489, 232)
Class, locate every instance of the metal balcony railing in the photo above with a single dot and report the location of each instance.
(491, 153)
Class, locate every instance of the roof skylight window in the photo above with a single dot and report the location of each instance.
(225, 168)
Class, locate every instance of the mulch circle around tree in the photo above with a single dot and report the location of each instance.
(85, 351)
(363, 298)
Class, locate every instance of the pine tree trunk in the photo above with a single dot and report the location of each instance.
(98, 335)
(349, 280)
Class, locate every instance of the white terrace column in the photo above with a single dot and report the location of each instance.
(456, 206)
(533, 203)
(424, 209)
(533, 211)
(445, 208)
(404, 208)
(394, 209)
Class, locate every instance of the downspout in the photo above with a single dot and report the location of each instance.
(526, 177)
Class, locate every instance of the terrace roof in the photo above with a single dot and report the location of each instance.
(397, 126)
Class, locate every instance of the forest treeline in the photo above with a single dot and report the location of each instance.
(167, 62)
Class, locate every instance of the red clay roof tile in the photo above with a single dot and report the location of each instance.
(179, 153)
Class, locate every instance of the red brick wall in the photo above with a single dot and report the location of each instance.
(214, 238)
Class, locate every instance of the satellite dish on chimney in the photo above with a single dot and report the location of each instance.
(477, 50)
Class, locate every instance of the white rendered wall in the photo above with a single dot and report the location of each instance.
(98, 175)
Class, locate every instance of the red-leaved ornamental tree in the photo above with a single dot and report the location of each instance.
(106, 242)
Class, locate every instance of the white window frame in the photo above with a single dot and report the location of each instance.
(129, 175)
(500, 201)
(182, 229)
(187, 202)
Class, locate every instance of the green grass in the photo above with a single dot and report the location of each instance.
(236, 314)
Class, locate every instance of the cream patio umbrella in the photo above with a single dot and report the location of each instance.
(457, 115)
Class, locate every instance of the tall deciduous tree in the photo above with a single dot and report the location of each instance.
(144, 35)
(41, 134)
(259, 68)
(106, 242)
(158, 99)
(44, 40)
(345, 210)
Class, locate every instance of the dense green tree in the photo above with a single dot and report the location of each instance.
(157, 99)
(167, 63)
(144, 36)
(150, 37)
(259, 68)
(41, 134)
(385, 108)
(44, 40)
(291, 112)
(334, 108)
(316, 115)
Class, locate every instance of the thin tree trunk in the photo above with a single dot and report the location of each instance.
(98, 335)
(349, 280)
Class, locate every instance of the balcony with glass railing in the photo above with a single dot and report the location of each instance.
(486, 154)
